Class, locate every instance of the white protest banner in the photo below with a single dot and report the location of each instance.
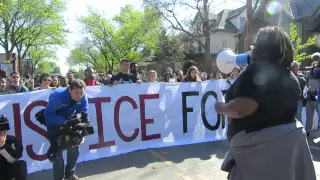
(125, 118)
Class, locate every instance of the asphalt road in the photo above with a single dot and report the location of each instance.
(190, 162)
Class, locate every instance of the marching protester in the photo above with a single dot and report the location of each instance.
(10, 152)
(312, 105)
(63, 82)
(54, 81)
(31, 84)
(302, 82)
(45, 81)
(3, 83)
(90, 77)
(61, 105)
(235, 74)
(152, 76)
(169, 76)
(70, 76)
(124, 76)
(180, 76)
(15, 86)
(203, 76)
(267, 142)
(27, 78)
(134, 70)
(193, 75)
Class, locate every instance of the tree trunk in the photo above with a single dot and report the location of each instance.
(208, 63)
(8, 59)
(106, 68)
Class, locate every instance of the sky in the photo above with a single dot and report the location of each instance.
(77, 8)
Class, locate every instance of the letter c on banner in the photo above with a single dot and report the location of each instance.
(117, 121)
(36, 128)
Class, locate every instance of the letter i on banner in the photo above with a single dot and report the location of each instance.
(98, 101)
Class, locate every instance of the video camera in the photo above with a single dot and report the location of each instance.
(71, 134)
(74, 130)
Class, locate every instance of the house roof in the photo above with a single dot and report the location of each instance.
(261, 19)
(236, 12)
(221, 20)
(223, 23)
(303, 8)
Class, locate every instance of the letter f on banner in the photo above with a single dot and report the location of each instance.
(186, 109)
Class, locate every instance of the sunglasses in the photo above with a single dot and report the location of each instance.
(15, 77)
(47, 80)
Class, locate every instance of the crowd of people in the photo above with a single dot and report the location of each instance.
(128, 73)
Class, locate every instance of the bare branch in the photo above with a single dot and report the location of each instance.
(172, 14)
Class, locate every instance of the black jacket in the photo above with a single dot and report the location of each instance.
(10, 153)
(11, 150)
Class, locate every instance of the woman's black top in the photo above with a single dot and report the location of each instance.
(274, 88)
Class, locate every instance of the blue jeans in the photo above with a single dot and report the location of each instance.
(59, 170)
(299, 112)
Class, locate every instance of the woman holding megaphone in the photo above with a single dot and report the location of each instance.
(267, 142)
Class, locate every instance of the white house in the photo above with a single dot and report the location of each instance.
(227, 23)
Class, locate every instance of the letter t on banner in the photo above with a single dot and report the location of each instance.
(185, 109)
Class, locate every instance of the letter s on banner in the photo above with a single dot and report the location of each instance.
(34, 127)
(117, 121)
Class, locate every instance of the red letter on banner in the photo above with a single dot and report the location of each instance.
(17, 121)
(98, 102)
(145, 121)
(36, 128)
(117, 122)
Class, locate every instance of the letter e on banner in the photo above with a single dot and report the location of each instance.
(36, 128)
(98, 101)
(117, 121)
(144, 121)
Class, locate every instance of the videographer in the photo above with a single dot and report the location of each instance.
(63, 103)
(10, 152)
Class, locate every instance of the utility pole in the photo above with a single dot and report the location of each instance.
(206, 28)
(249, 23)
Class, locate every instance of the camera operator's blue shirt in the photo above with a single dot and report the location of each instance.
(60, 107)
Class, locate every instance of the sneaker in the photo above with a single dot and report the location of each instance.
(73, 177)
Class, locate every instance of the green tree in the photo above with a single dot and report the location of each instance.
(38, 54)
(48, 67)
(299, 55)
(25, 23)
(79, 73)
(86, 54)
(169, 48)
(123, 36)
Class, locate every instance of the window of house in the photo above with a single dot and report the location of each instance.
(242, 21)
(199, 48)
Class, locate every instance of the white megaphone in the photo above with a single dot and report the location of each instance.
(227, 61)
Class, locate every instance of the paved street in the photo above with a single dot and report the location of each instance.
(191, 162)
